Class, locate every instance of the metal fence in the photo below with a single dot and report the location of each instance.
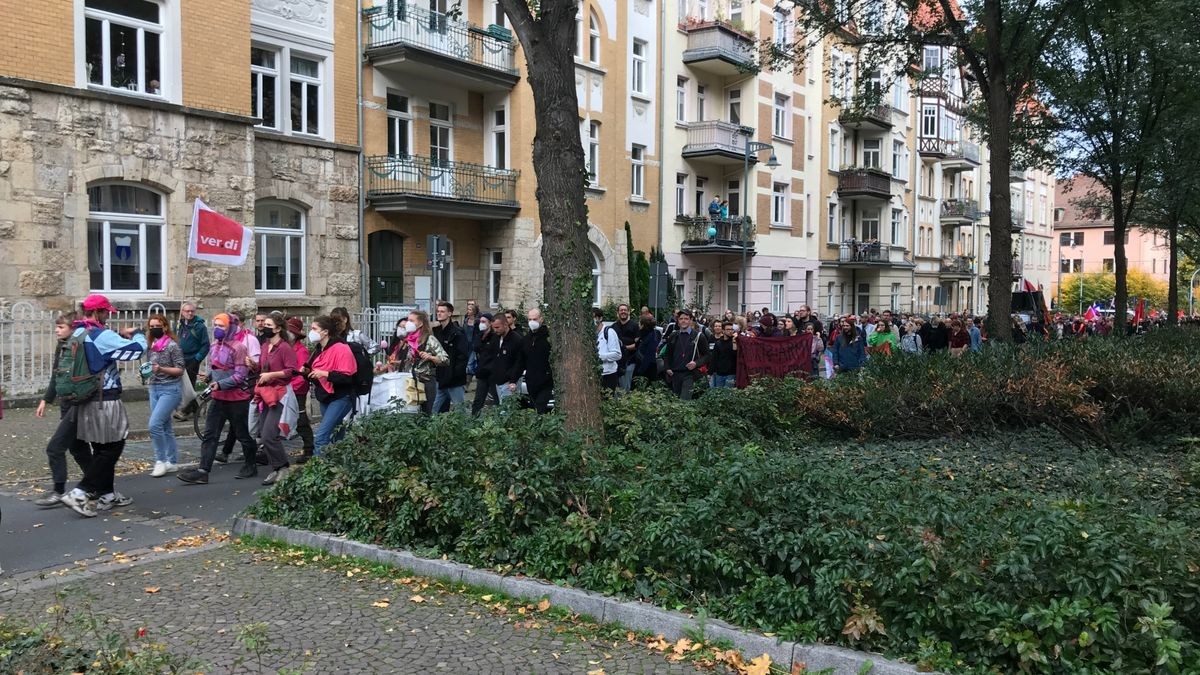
(422, 176)
(437, 32)
(27, 341)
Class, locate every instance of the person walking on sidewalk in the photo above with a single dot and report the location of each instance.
(295, 326)
(276, 367)
(242, 333)
(167, 369)
(101, 419)
(331, 370)
(533, 360)
(227, 377)
(451, 375)
(484, 356)
(192, 336)
(63, 438)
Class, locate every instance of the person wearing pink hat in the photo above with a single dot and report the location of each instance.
(101, 419)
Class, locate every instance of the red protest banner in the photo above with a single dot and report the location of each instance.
(774, 357)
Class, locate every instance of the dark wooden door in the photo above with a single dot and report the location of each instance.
(385, 255)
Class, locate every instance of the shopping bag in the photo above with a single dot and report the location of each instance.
(187, 392)
(291, 414)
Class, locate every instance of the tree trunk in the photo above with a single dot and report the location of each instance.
(1000, 268)
(1120, 263)
(558, 163)
(1173, 280)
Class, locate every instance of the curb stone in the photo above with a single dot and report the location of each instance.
(670, 624)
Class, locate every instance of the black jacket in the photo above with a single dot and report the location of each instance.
(454, 341)
(680, 349)
(939, 338)
(534, 359)
(724, 359)
(485, 355)
(628, 334)
(505, 350)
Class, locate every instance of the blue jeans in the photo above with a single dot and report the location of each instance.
(448, 397)
(164, 399)
(332, 414)
(723, 381)
(627, 376)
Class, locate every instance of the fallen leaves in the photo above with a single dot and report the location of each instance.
(543, 605)
(152, 589)
(382, 603)
(417, 599)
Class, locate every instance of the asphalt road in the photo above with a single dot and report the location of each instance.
(164, 510)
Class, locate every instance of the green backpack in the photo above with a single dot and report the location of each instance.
(74, 381)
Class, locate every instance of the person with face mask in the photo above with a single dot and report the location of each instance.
(275, 369)
(167, 367)
(249, 338)
(485, 356)
(295, 326)
(330, 371)
(533, 360)
(420, 353)
(227, 377)
(502, 351)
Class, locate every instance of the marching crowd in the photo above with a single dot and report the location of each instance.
(259, 376)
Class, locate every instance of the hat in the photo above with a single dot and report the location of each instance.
(767, 319)
(96, 301)
(688, 313)
(295, 326)
(486, 315)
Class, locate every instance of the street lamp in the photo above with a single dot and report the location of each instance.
(752, 147)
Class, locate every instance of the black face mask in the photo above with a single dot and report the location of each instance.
(156, 333)
(266, 334)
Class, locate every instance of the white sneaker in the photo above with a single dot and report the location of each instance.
(112, 499)
(170, 468)
(160, 469)
(78, 501)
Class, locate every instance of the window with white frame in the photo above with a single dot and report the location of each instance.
(700, 201)
(680, 284)
(593, 152)
(279, 247)
(126, 238)
(898, 159)
(929, 121)
(593, 38)
(872, 151)
(681, 99)
(681, 193)
(933, 59)
(123, 45)
(699, 289)
(495, 267)
(779, 25)
(895, 298)
(441, 132)
(781, 125)
(864, 298)
(700, 93)
(829, 294)
(900, 94)
(835, 149)
(702, 8)
(870, 226)
(778, 291)
(578, 34)
(832, 223)
(733, 287)
(733, 192)
(264, 86)
(735, 12)
(779, 205)
(637, 159)
(638, 69)
(498, 17)
(500, 138)
(735, 106)
(305, 88)
(897, 227)
(400, 125)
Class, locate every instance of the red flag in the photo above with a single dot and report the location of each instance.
(1091, 314)
(1140, 313)
(215, 238)
(1029, 288)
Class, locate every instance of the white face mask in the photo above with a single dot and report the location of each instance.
(483, 325)
(535, 324)
(410, 326)
(314, 336)
(400, 332)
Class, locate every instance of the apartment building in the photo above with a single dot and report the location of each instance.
(448, 137)
(742, 136)
(1084, 240)
(116, 114)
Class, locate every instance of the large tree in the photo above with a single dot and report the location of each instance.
(1110, 78)
(547, 32)
(999, 44)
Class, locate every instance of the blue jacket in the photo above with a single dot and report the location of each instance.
(193, 339)
(976, 338)
(849, 355)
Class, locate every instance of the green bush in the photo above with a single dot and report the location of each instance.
(1009, 552)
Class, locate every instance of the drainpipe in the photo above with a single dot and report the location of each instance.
(662, 130)
(365, 292)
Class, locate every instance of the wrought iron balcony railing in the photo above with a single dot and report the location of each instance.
(960, 209)
(959, 264)
(869, 182)
(398, 175)
(713, 136)
(699, 231)
(403, 24)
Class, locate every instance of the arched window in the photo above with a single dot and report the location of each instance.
(596, 279)
(126, 242)
(279, 239)
(593, 38)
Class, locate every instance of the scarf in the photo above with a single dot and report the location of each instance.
(161, 343)
(414, 340)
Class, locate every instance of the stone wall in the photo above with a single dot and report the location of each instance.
(54, 144)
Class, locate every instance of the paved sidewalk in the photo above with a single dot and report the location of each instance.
(327, 621)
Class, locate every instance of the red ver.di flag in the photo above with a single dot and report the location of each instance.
(216, 238)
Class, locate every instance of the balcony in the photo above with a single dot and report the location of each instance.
(1016, 175)
(957, 212)
(957, 267)
(441, 188)
(1018, 221)
(717, 48)
(720, 237)
(720, 142)
(415, 42)
(938, 88)
(854, 254)
(867, 118)
(864, 184)
(960, 156)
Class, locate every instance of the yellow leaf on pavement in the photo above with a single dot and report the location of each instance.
(152, 589)
(543, 605)
(598, 671)
(485, 598)
(759, 666)
(417, 599)
(682, 646)
(382, 603)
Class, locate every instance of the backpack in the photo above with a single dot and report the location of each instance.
(74, 381)
(364, 370)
